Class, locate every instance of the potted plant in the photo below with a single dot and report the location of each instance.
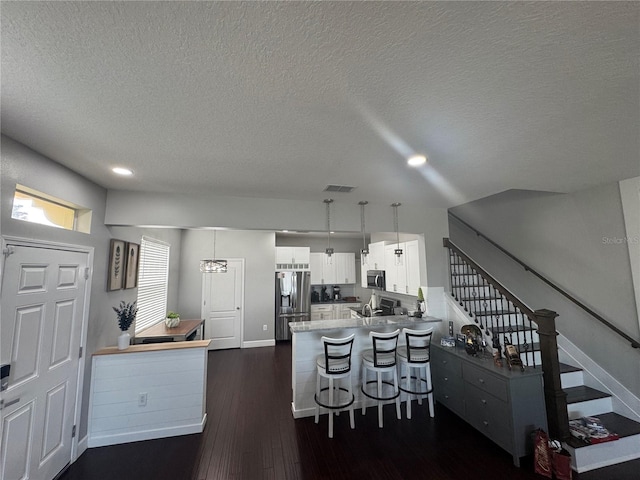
(420, 305)
(126, 316)
(172, 320)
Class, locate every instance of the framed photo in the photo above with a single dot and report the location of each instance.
(131, 276)
(117, 264)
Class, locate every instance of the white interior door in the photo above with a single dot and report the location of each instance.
(43, 296)
(222, 306)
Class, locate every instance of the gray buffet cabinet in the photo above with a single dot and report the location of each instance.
(505, 405)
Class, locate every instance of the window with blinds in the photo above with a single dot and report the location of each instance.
(153, 279)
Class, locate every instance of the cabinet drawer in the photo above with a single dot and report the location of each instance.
(450, 393)
(485, 381)
(489, 414)
(443, 362)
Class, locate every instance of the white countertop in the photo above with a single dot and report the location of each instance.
(364, 322)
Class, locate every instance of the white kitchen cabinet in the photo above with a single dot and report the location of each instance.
(288, 258)
(322, 312)
(316, 261)
(404, 278)
(343, 310)
(345, 268)
(339, 269)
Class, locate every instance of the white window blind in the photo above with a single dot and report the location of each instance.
(153, 279)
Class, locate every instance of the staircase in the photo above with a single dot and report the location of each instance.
(503, 319)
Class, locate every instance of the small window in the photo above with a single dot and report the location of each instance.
(153, 280)
(32, 206)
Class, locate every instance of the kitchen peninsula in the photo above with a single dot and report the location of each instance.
(306, 346)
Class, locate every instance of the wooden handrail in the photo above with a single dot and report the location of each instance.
(634, 343)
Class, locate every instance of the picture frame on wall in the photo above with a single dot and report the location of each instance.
(131, 276)
(117, 264)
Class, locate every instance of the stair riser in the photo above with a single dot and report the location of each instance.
(590, 408)
(479, 292)
(572, 379)
(519, 337)
(604, 454)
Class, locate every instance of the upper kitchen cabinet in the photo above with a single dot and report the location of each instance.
(340, 268)
(293, 258)
(345, 268)
(404, 278)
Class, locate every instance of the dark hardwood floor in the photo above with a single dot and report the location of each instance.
(251, 434)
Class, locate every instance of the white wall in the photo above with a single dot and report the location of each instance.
(21, 165)
(185, 211)
(562, 237)
(258, 250)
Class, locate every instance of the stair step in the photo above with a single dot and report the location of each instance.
(583, 401)
(615, 423)
(491, 313)
(483, 298)
(566, 368)
(583, 393)
(570, 376)
(512, 329)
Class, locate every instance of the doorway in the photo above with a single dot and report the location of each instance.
(223, 306)
(44, 313)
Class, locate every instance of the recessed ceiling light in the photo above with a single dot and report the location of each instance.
(417, 160)
(122, 171)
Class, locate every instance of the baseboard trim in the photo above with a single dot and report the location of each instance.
(116, 439)
(259, 343)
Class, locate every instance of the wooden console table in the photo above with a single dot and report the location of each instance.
(159, 332)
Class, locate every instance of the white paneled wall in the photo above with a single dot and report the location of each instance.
(142, 394)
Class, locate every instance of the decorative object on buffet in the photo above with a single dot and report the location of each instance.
(172, 320)
(364, 253)
(446, 340)
(472, 333)
(328, 251)
(126, 313)
(398, 250)
(213, 265)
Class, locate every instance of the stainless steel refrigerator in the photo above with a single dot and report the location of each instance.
(293, 301)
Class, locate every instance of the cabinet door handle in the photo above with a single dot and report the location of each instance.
(4, 404)
(447, 397)
(481, 380)
(484, 402)
(486, 424)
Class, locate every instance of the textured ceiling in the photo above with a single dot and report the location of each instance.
(280, 99)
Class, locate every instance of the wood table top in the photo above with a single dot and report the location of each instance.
(160, 329)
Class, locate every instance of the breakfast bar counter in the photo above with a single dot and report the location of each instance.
(306, 345)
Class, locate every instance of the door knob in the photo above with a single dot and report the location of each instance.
(237, 308)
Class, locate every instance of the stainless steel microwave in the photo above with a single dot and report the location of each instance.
(375, 279)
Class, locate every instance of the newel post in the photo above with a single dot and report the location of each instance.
(555, 397)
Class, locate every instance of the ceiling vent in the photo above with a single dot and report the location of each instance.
(339, 188)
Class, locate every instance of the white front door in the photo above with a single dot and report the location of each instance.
(43, 295)
(222, 303)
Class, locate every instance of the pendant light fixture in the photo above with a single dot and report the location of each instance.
(398, 250)
(364, 253)
(213, 265)
(328, 250)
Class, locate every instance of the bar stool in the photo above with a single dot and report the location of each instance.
(415, 355)
(381, 359)
(335, 365)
